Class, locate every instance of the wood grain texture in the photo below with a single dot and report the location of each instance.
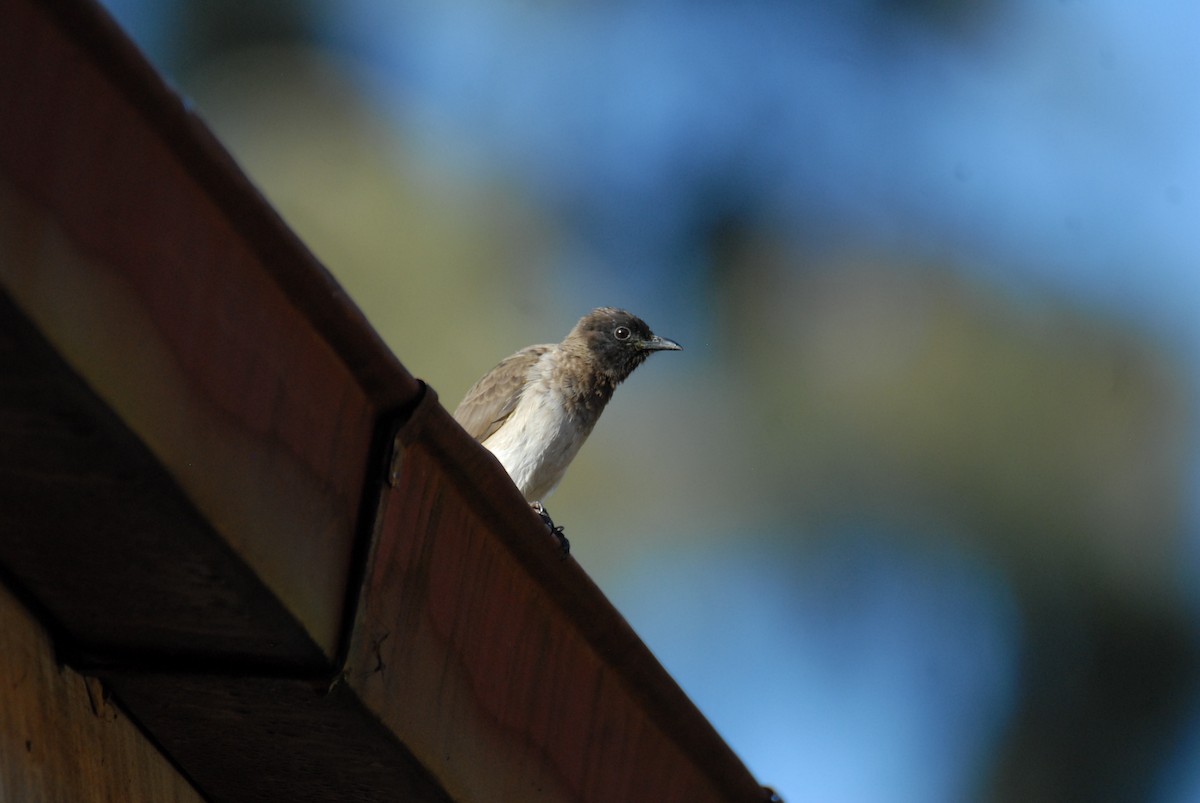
(139, 589)
(168, 284)
(499, 663)
(61, 738)
(95, 529)
(190, 414)
(245, 738)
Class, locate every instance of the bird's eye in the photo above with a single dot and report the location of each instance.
(622, 333)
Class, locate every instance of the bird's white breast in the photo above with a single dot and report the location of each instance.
(539, 439)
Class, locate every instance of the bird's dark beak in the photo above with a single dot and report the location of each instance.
(656, 343)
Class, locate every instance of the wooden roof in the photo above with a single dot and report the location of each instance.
(223, 496)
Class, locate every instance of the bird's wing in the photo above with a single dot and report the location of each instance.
(492, 399)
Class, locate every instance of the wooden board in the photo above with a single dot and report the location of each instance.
(497, 660)
(165, 281)
(195, 500)
(61, 738)
(274, 738)
(122, 564)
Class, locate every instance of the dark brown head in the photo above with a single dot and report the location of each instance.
(616, 341)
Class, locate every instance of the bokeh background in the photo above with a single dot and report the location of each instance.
(914, 516)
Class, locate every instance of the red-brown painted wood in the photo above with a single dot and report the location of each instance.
(193, 501)
(497, 660)
(164, 279)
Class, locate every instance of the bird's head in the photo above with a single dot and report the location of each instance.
(616, 341)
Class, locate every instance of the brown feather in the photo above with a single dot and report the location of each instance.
(491, 400)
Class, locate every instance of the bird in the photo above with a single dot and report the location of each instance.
(537, 407)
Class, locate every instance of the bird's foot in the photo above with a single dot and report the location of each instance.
(556, 529)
